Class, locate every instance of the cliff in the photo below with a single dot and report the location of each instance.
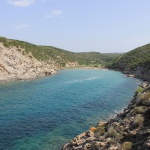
(19, 65)
(129, 130)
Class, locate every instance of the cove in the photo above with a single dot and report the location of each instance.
(43, 114)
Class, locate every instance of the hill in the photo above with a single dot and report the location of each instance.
(135, 62)
(23, 60)
(44, 53)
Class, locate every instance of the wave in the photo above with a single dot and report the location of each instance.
(88, 79)
(92, 78)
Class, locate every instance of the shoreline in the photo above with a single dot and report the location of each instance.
(65, 68)
(89, 136)
(117, 128)
(44, 75)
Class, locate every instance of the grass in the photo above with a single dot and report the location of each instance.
(140, 90)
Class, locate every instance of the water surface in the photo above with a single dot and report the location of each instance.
(43, 114)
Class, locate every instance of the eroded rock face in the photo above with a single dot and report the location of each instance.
(16, 64)
(129, 130)
(142, 72)
(71, 64)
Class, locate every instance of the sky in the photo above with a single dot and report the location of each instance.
(105, 26)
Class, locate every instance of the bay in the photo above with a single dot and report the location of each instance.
(45, 113)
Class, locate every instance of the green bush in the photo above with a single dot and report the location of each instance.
(127, 146)
(140, 90)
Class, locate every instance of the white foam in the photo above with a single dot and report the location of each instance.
(88, 79)
(92, 78)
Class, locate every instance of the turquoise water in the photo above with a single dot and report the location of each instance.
(43, 114)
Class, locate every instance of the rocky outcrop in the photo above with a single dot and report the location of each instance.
(17, 65)
(129, 130)
(71, 64)
(142, 72)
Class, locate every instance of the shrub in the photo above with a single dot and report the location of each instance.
(138, 120)
(118, 136)
(139, 110)
(127, 146)
(146, 97)
(140, 90)
(111, 131)
(100, 129)
(6, 45)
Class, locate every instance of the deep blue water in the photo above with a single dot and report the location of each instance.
(43, 114)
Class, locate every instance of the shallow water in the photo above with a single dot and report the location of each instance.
(45, 113)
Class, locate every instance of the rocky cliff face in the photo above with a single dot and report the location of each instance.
(129, 130)
(142, 72)
(71, 64)
(16, 64)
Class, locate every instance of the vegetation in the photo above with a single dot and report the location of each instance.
(139, 110)
(127, 146)
(130, 60)
(138, 120)
(139, 90)
(46, 53)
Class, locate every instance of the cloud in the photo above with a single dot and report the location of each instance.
(21, 3)
(54, 13)
(23, 26)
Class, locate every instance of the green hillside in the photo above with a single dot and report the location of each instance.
(46, 53)
(131, 60)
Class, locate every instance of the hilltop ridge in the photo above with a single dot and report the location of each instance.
(22, 60)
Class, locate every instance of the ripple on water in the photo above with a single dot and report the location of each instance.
(45, 113)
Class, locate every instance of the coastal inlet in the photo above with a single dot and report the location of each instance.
(45, 113)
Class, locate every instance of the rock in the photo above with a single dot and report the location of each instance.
(77, 141)
(67, 146)
(133, 132)
(100, 144)
(144, 85)
(131, 75)
(127, 131)
(77, 148)
(47, 73)
(16, 65)
(72, 64)
(87, 146)
(101, 123)
(113, 148)
(90, 134)
(90, 139)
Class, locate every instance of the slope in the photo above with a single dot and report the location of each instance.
(136, 62)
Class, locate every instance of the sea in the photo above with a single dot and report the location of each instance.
(45, 113)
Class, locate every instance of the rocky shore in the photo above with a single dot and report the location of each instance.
(17, 65)
(129, 130)
(139, 72)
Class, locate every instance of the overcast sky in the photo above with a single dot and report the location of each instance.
(78, 25)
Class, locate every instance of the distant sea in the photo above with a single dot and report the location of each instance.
(45, 113)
